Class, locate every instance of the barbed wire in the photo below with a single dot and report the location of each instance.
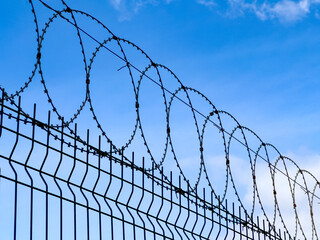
(70, 15)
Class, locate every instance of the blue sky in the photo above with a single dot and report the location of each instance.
(254, 59)
(258, 60)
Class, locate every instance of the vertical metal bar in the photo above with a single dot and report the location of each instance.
(143, 175)
(15, 173)
(258, 225)
(68, 183)
(279, 233)
(55, 180)
(264, 229)
(123, 225)
(129, 199)
(240, 223)
(195, 223)
(204, 211)
(212, 213)
(117, 200)
(219, 216)
(151, 203)
(95, 185)
(152, 172)
(170, 210)
(43, 179)
(106, 192)
(134, 223)
(188, 205)
(177, 219)
(252, 222)
(158, 214)
(82, 182)
(246, 225)
(29, 175)
(233, 222)
(141, 199)
(227, 220)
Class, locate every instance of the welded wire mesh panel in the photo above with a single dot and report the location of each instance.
(55, 186)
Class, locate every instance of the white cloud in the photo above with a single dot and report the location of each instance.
(286, 11)
(127, 8)
(289, 11)
(283, 10)
(116, 3)
(207, 3)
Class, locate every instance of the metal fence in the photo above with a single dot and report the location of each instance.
(56, 186)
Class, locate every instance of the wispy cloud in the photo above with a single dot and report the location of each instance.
(283, 10)
(128, 8)
(286, 11)
(207, 3)
(116, 3)
(290, 11)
